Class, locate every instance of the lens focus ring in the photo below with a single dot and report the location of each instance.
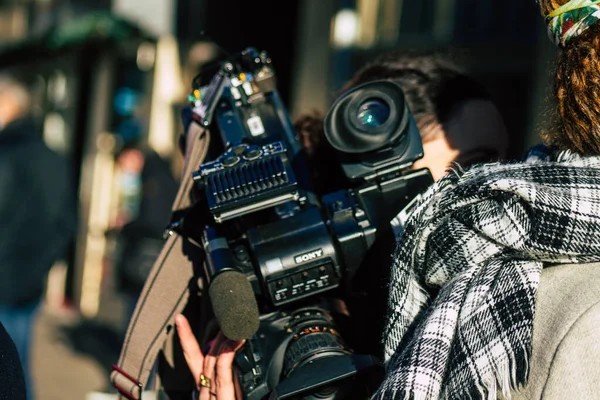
(309, 346)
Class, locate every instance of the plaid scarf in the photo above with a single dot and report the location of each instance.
(466, 270)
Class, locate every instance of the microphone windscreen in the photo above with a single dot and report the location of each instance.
(234, 305)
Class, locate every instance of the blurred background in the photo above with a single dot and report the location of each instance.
(111, 77)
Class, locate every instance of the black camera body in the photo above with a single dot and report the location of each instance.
(304, 346)
(293, 248)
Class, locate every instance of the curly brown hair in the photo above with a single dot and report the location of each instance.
(576, 122)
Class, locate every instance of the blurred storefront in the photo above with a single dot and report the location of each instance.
(111, 72)
(94, 79)
(114, 71)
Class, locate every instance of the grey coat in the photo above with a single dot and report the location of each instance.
(565, 363)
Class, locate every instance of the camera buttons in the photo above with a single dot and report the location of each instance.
(229, 160)
(252, 153)
(239, 149)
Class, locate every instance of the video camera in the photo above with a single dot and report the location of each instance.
(292, 248)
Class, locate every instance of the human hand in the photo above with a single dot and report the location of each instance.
(212, 373)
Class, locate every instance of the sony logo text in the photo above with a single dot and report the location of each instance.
(308, 256)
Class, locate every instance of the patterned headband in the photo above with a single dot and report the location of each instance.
(572, 19)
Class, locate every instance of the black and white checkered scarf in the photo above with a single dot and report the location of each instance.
(466, 270)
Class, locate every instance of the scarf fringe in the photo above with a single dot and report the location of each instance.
(392, 394)
(511, 375)
(498, 384)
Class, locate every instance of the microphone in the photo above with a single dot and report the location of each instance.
(231, 295)
(234, 305)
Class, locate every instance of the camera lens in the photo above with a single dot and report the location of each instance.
(314, 337)
(367, 118)
(373, 113)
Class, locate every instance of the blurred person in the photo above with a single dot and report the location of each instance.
(37, 210)
(458, 122)
(149, 188)
(146, 188)
(130, 163)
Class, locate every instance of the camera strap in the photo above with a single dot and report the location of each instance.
(166, 291)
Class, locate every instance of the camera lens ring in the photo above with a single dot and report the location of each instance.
(314, 337)
(346, 132)
(352, 111)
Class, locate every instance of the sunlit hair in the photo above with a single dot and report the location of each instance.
(576, 124)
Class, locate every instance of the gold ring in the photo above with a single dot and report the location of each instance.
(204, 381)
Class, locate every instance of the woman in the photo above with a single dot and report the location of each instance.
(480, 239)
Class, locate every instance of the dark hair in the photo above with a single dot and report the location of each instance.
(326, 174)
(576, 122)
(433, 86)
